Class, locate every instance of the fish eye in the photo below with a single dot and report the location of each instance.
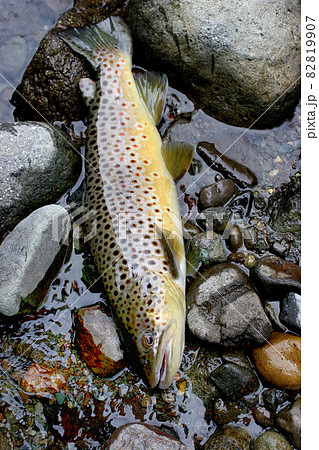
(147, 340)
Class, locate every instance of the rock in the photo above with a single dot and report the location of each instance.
(51, 81)
(273, 398)
(30, 256)
(39, 163)
(275, 276)
(235, 381)
(289, 420)
(41, 381)
(271, 440)
(250, 237)
(229, 437)
(290, 313)
(209, 248)
(250, 261)
(263, 417)
(213, 219)
(216, 194)
(225, 411)
(199, 374)
(189, 229)
(235, 239)
(238, 257)
(237, 172)
(98, 341)
(284, 207)
(279, 360)
(223, 308)
(229, 74)
(240, 206)
(141, 436)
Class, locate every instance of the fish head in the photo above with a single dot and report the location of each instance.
(161, 339)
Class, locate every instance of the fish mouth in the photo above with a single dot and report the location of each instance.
(161, 374)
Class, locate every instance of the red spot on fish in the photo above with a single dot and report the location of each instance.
(122, 158)
(118, 91)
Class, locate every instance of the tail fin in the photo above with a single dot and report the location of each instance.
(112, 33)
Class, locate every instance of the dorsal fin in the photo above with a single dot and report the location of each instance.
(152, 88)
(173, 249)
(177, 157)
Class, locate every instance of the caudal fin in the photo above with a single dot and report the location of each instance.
(112, 33)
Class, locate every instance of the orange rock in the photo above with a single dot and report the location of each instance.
(279, 361)
(40, 380)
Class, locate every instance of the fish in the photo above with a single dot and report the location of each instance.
(131, 188)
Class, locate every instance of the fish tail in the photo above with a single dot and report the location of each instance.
(112, 33)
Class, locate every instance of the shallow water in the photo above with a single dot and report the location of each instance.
(91, 407)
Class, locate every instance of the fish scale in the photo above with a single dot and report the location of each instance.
(134, 197)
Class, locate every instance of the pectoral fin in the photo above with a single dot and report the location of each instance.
(192, 260)
(174, 249)
(177, 157)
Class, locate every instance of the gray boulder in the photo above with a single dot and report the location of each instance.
(235, 60)
(38, 164)
(27, 254)
(223, 308)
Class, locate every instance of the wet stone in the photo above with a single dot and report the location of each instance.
(235, 239)
(290, 311)
(214, 219)
(273, 398)
(279, 360)
(41, 381)
(240, 174)
(217, 194)
(223, 308)
(189, 229)
(263, 417)
(234, 381)
(30, 257)
(225, 411)
(289, 420)
(142, 436)
(38, 164)
(209, 248)
(98, 341)
(275, 276)
(271, 440)
(209, 51)
(229, 437)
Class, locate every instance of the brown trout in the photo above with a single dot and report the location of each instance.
(130, 184)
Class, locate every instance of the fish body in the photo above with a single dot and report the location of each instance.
(138, 244)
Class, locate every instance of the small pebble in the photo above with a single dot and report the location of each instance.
(250, 261)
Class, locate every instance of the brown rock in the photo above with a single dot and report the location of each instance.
(141, 436)
(240, 174)
(279, 361)
(216, 194)
(273, 276)
(98, 341)
(40, 380)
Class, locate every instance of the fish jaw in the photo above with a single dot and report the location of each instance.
(168, 357)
